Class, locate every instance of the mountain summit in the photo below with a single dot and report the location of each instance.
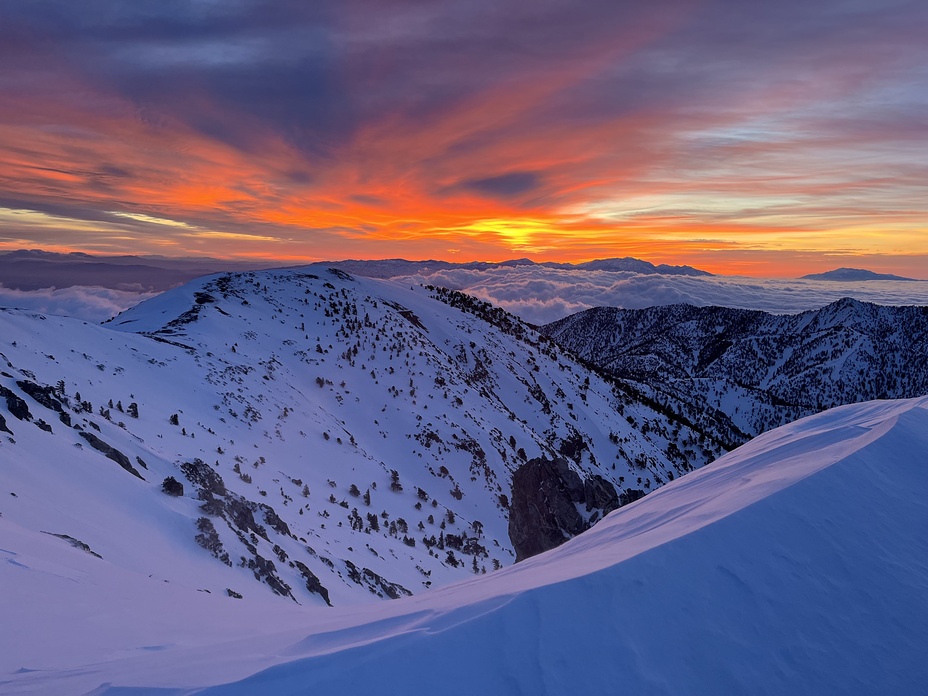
(849, 275)
(320, 437)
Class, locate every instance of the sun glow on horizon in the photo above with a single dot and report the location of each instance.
(631, 134)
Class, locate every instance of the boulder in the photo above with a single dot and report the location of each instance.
(543, 511)
(545, 507)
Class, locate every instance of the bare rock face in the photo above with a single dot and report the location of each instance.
(15, 405)
(544, 510)
(111, 453)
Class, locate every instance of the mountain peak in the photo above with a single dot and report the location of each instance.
(849, 275)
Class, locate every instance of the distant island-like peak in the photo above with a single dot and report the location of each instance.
(852, 274)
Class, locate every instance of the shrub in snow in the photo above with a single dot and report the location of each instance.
(172, 486)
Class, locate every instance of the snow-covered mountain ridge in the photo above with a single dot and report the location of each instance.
(797, 564)
(326, 438)
(744, 372)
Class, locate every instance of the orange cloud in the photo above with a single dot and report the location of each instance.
(508, 166)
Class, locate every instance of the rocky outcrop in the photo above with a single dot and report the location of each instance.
(239, 513)
(208, 538)
(110, 452)
(202, 476)
(377, 584)
(43, 395)
(547, 496)
(15, 405)
(313, 584)
(46, 396)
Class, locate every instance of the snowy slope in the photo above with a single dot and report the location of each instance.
(339, 440)
(796, 564)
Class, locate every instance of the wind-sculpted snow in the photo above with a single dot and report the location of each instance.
(745, 372)
(338, 439)
(797, 564)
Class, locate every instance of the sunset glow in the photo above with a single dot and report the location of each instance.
(760, 139)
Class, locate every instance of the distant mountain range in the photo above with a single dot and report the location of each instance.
(850, 275)
(738, 372)
(391, 268)
(33, 269)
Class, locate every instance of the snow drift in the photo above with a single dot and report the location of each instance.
(795, 564)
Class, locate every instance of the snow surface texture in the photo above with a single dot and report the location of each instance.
(300, 394)
(797, 564)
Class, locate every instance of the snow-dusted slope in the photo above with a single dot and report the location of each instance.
(338, 439)
(796, 564)
(740, 372)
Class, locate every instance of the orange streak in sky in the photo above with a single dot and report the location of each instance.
(402, 183)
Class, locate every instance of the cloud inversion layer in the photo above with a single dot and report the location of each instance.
(540, 295)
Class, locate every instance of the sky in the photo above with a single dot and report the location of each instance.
(749, 138)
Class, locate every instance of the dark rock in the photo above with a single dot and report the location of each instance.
(273, 519)
(3, 428)
(172, 486)
(213, 506)
(630, 496)
(65, 418)
(313, 584)
(15, 405)
(265, 570)
(42, 425)
(110, 452)
(209, 539)
(43, 395)
(374, 582)
(573, 447)
(393, 590)
(543, 512)
(241, 514)
(600, 494)
(200, 474)
(76, 543)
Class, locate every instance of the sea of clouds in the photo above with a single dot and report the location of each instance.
(93, 304)
(540, 295)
